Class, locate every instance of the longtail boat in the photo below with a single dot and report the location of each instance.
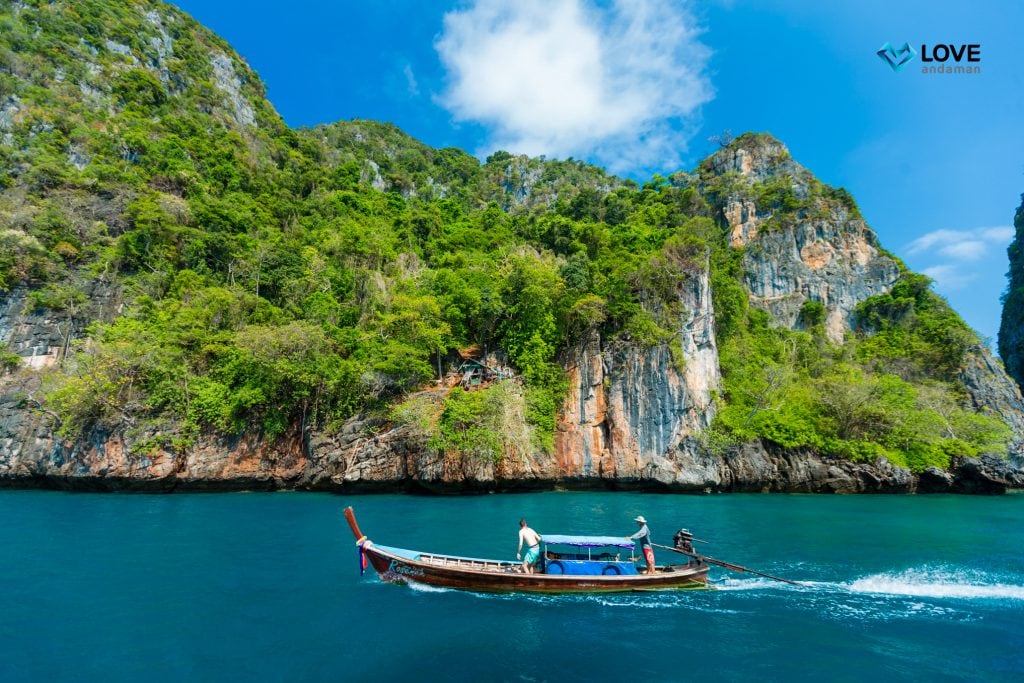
(569, 564)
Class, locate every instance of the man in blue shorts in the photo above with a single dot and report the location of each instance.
(532, 540)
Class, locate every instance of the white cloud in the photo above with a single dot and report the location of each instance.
(1001, 235)
(948, 276)
(410, 81)
(620, 82)
(962, 245)
(966, 250)
(951, 253)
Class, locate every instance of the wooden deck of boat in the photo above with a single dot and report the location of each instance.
(502, 566)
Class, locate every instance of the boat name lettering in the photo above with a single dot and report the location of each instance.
(407, 571)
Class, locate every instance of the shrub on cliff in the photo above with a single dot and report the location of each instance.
(486, 423)
(913, 331)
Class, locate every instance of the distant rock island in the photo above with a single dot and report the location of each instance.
(194, 296)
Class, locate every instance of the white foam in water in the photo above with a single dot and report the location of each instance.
(937, 584)
(426, 588)
(733, 584)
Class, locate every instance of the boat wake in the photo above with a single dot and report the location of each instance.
(737, 584)
(918, 592)
(691, 600)
(925, 582)
(427, 588)
(938, 583)
(928, 592)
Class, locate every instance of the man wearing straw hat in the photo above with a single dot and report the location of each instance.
(643, 538)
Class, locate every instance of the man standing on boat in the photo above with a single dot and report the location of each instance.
(532, 540)
(643, 538)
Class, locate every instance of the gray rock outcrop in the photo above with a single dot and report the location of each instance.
(826, 254)
(629, 406)
(1011, 326)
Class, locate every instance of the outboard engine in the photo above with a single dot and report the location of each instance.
(683, 540)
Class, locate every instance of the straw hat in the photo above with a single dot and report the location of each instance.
(640, 519)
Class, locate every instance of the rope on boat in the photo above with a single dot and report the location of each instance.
(362, 544)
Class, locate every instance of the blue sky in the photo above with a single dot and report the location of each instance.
(936, 162)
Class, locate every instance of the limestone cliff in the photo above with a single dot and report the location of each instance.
(193, 295)
(824, 252)
(632, 419)
(1011, 328)
(992, 391)
(629, 407)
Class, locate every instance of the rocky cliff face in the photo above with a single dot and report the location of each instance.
(42, 336)
(630, 406)
(1011, 328)
(832, 260)
(991, 390)
(823, 253)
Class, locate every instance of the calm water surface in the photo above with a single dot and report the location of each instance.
(266, 587)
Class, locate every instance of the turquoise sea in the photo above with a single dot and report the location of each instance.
(265, 587)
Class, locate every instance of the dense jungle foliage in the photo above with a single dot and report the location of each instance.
(276, 279)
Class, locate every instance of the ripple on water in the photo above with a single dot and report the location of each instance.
(687, 600)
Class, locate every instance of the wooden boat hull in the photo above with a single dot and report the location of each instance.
(397, 569)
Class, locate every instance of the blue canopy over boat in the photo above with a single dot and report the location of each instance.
(588, 541)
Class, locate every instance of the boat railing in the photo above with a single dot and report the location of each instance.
(466, 563)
